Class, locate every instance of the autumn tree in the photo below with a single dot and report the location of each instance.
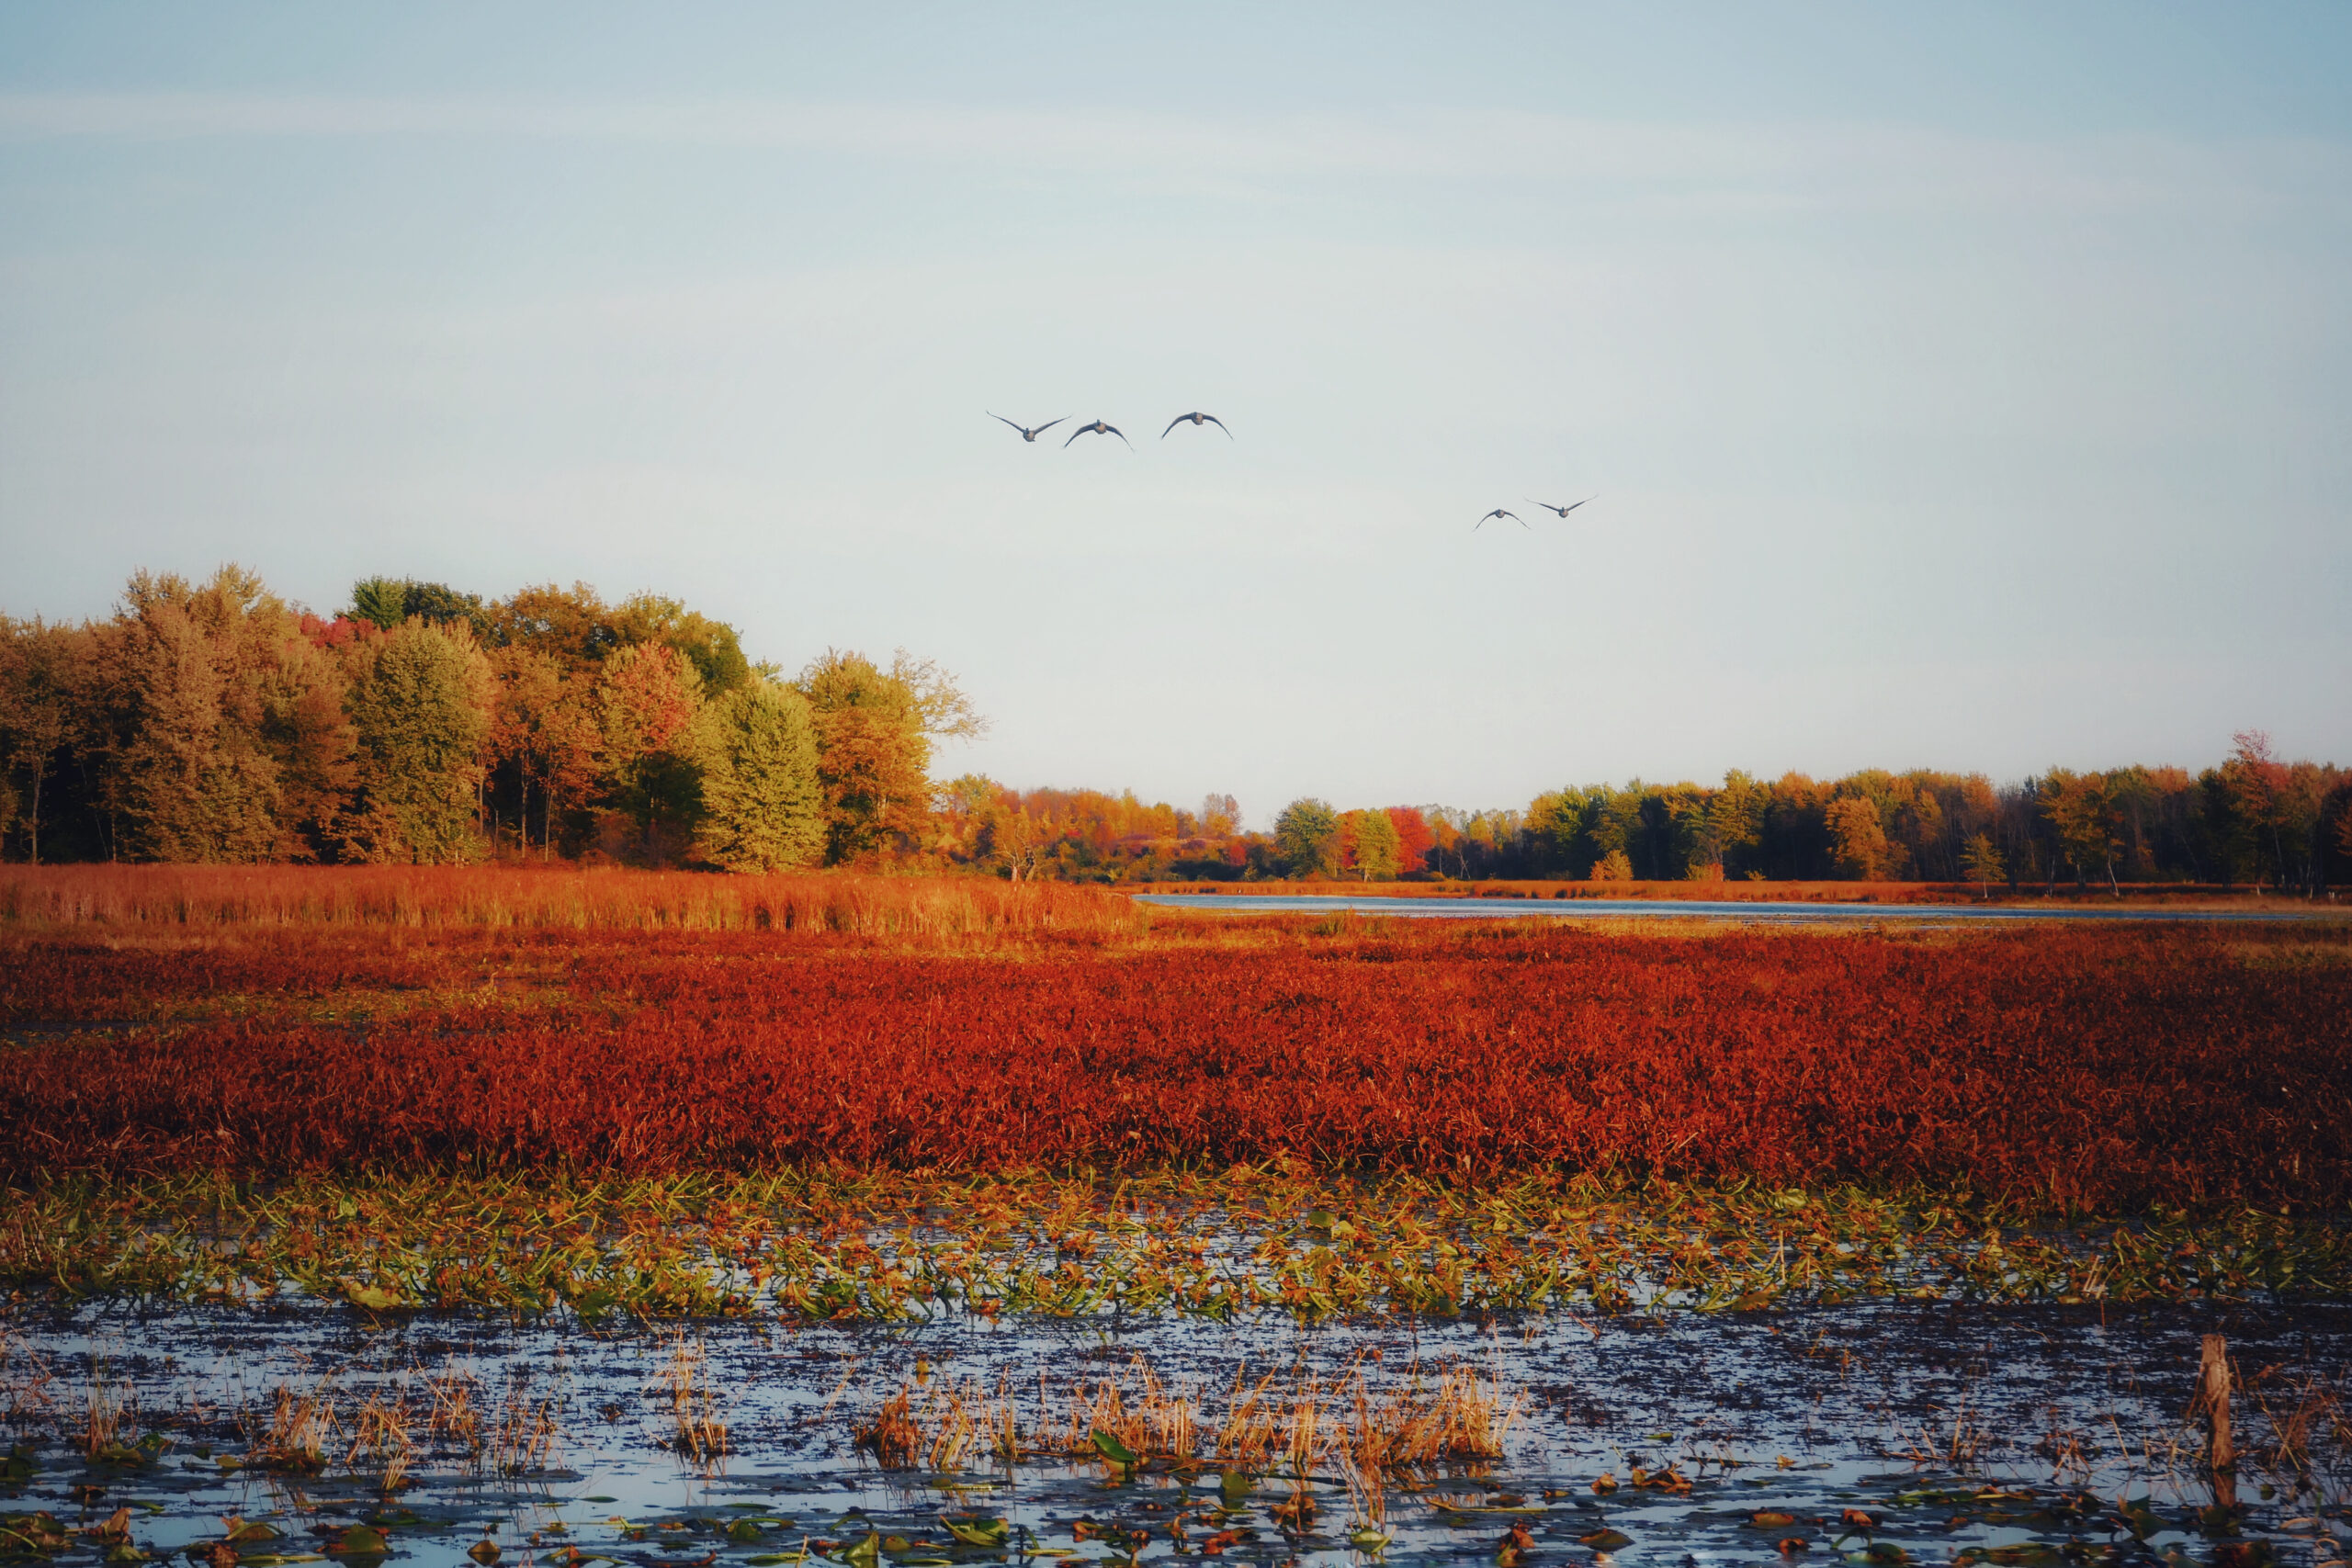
(875, 732)
(544, 729)
(649, 702)
(38, 705)
(1220, 817)
(307, 728)
(572, 626)
(420, 703)
(1861, 838)
(2084, 816)
(1414, 840)
(1983, 863)
(192, 700)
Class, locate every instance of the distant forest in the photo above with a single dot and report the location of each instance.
(215, 722)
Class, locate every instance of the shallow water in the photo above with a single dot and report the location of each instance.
(1906, 1411)
(1461, 909)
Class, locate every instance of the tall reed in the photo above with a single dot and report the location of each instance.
(216, 897)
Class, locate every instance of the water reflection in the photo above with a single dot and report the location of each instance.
(1875, 1434)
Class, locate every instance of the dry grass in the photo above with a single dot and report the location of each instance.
(110, 1415)
(689, 1406)
(1312, 1425)
(380, 1437)
(148, 898)
(523, 1432)
(301, 1422)
(454, 1417)
(27, 1400)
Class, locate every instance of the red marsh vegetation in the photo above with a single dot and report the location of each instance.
(280, 1021)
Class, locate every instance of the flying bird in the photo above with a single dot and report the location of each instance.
(1098, 428)
(1196, 419)
(1026, 434)
(1499, 512)
(1563, 511)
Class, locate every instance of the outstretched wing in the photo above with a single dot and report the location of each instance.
(1079, 432)
(1173, 423)
(1219, 424)
(1573, 505)
(1048, 425)
(1025, 435)
(1122, 434)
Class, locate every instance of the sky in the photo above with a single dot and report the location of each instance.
(1966, 388)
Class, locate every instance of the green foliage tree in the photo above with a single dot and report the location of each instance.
(421, 705)
(1306, 839)
(763, 807)
(1373, 845)
(710, 646)
(387, 603)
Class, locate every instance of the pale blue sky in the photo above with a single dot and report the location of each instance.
(1963, 390)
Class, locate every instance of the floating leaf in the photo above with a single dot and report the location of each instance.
(981, 1533)
(1108, 1445)
(1606, 1539)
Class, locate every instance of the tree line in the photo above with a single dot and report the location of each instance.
(2255, 820)
(218, 722)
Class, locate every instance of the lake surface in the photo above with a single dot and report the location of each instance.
(1472, 908)
(2030, 1438)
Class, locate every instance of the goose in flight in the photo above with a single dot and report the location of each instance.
(1563, 511)
(1499, 512)
(1098, 428)
(1026, 434)
(1196, 419)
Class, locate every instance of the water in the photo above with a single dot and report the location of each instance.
(1686, 908)
(1909, 1412)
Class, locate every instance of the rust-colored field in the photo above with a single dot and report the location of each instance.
(2091, 1067)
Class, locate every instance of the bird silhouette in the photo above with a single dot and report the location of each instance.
(1026, 434)
(1098, 428)
(1196, 419)
(1499, 512)
(1563, 511)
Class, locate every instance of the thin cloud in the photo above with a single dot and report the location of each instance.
(1757, 168)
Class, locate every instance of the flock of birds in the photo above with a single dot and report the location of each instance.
(1101, 427)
